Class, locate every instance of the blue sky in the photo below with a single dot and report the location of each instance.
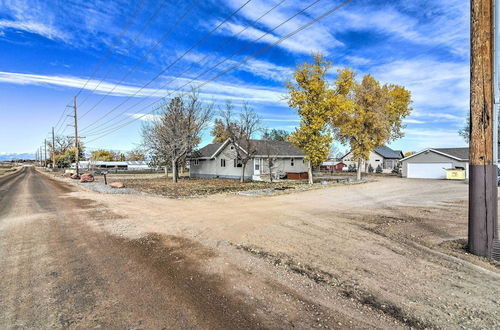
(48, 50)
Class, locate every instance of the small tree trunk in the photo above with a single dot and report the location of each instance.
(310, 173)
(166, 171)
(174, 170)
(270, 171)
(358, 172)
(243, 166)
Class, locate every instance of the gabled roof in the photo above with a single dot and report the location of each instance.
(461, 154)
(389, 153)
(207, 151)
(385, 152)
(262, 148)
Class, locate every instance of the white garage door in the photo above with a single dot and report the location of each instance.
(428, 170)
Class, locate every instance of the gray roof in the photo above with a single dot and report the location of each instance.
(262, 147)
(208, 150)
(388, 153)
(462, 153)
(458, 153)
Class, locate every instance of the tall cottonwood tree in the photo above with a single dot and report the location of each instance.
(241, 129)
(177, 130)
(371, 116)
(313, 98)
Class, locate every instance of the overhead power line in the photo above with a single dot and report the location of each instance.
(123, 54)
(139, 7)
(114, 44)
(215, 66)
(145, 57)
(95, 128)
(246, 59)
(202, 39)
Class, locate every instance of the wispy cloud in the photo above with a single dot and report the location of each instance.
(214, 90)
(143, 116)
(414, 121)
(317, 38)
(433, 84)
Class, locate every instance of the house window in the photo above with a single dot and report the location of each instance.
(237, 163)
(196, 162)
(222, 163)
(291, 161)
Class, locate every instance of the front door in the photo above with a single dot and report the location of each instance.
(256, 166)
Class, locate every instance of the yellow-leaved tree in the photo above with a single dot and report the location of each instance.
(371, 118)
(314, 99)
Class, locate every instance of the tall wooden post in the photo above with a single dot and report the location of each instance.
(77, 152)
(483, 192)
(53, 150)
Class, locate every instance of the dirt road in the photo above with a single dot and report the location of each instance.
(63, 267)
(394, 246)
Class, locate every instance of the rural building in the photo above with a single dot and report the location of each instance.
(431, 163)
(219, 160)
(384, 156)
(332, 166)
(115, 165)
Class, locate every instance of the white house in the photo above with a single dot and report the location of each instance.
(219, 160)
(386, 157)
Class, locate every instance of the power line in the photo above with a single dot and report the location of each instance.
(123, 54)
(221, 62)
(115, 42)
(311, 22)
(108, 53)
(190, 67)
(172, 64)
(146, 56)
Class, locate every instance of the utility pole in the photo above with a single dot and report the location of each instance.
(483, 190)
(45, 154)
(76, 137)
(53, 150)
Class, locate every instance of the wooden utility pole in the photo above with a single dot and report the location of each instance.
(77, 152)
(483, 192)
(53, 150)
(45, 154)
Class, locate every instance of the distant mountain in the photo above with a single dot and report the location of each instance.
(7, 156)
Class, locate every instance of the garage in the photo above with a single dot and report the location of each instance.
(430, 163)
(428, 170)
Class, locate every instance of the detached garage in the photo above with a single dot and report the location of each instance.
(432, 163)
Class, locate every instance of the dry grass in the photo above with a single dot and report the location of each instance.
(4, 169)
(191, 187)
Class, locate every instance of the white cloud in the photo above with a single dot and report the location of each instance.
(267, 70)
(316, 38)
(143, 116)
(437, 138)
(358, 60)
(413, 121)
(433, 84)
(443, 24)
(213, 90)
